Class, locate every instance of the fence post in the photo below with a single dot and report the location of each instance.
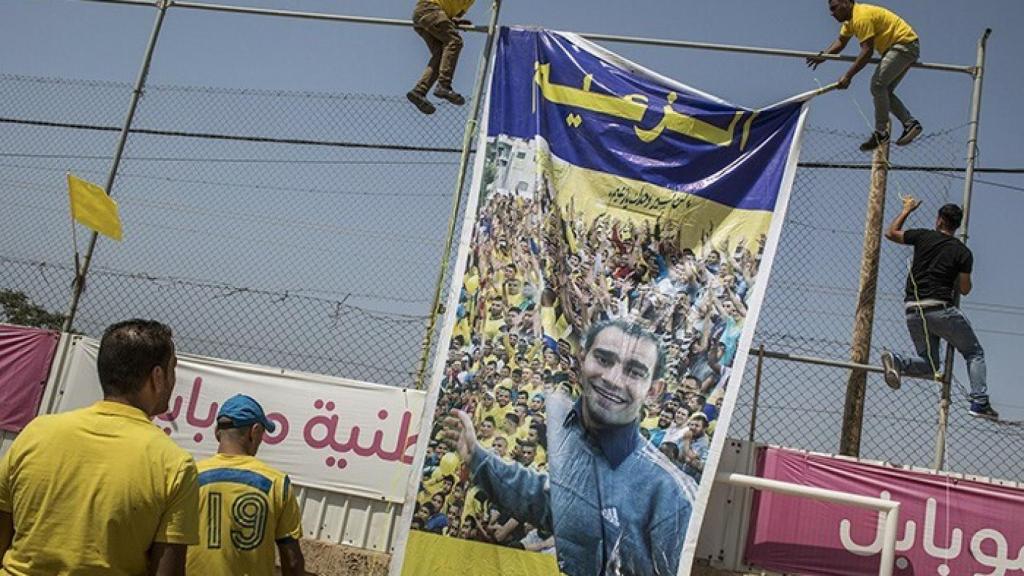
(467, 143)
(853, 413)
(78, 285)
(757, 392)
(140, 83)
(972, 158)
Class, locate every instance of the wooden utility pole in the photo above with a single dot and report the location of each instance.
(853, 413)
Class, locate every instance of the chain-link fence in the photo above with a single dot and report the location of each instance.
(811, 302)
(289, 229)
(305, 231)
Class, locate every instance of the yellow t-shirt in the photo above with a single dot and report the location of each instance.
(883, 25)
(454, 8)
(95, 487)
(245, 508)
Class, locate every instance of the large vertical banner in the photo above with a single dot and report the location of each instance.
(610, 282)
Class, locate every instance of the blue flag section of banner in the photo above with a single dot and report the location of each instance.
(610, 283)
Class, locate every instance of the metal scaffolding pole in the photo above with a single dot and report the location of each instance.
(972, 158)
(638, 40)
(80, 272)
(460, 180)
(140, 82)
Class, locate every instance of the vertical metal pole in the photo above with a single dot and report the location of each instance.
(856, 387)
(972, 158)
(757, 392)
(460, 180)
(80, 272)
(140, 82)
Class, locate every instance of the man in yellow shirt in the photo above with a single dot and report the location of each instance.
(437, 22)
(246, 507)
(101, 490)
(877, 29)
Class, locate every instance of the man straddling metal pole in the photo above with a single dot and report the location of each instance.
(941, 267)
(877, 29)
(437, 22)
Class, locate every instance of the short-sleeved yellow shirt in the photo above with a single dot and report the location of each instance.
(90, 490)
(246, 508)
(454, 8)
(883, 25)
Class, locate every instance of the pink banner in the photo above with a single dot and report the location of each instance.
(948, 526)
(25, 358)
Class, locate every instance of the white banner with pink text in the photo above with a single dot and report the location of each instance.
(331, 433)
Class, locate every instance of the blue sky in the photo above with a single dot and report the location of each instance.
(82, 40)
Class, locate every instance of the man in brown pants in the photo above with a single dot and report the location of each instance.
(437, 21)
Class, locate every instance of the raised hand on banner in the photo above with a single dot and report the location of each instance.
(460, 432)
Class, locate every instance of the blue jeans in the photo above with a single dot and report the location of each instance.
(947, 324)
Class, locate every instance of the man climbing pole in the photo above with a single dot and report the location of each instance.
(877, 29)
(437, 22)
(941, 268)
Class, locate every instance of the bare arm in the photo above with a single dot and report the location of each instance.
(6, 532)
(895, 231)
(167, 559)
(867, 47)
(292, 561)
(965, 289)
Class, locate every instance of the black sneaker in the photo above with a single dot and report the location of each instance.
(420, 101)
(910, 131)
(983, 410)
(446, 93)
(892, 374)
(874, 141)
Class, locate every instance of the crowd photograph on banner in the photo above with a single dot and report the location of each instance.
(598, 321)
(550, 302)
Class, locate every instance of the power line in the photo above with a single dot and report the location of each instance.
(233, 137)
(441, 149)
(194, 159)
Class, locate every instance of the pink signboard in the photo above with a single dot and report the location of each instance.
(25, 357)
(948, 526)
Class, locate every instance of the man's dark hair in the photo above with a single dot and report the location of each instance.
(951, 216)
(630, 329)
(128, 353)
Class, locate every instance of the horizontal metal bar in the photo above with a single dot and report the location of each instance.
(281, 13)
(813, 492)
(756, 50)
(817, 361)
(888, 507)
(483, 29)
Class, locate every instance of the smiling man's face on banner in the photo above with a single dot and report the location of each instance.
(617, 372)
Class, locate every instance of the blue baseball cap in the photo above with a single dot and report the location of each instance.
(244, 411)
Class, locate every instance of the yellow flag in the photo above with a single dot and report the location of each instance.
(91, 206)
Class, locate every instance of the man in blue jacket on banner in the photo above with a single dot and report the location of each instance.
(615, 504)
